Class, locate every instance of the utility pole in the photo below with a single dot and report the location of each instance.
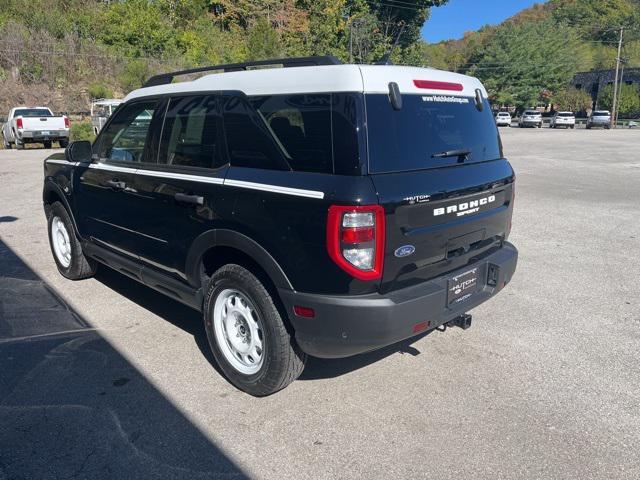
(614, 113)
(623, 61)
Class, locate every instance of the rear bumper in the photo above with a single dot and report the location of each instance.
(345, 326)
(36, 136)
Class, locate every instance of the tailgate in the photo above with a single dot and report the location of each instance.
(43, 123)
(442, 219)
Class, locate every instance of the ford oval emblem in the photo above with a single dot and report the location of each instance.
(404, 251)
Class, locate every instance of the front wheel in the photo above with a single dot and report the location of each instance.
(247, 334)
(65, 246)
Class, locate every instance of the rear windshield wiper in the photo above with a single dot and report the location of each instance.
(462, 153)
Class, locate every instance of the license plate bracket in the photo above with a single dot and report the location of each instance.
(462, 286)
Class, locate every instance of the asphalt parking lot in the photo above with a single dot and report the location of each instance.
(104, 378)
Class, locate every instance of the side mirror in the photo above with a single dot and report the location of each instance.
(78, 152)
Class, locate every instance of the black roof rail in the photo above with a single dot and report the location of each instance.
(165, 78)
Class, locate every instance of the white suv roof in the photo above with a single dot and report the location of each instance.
(325, 79)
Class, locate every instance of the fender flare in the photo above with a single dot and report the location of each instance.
(238, 241)
(51, 186)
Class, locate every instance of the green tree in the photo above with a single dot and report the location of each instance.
(263, 41)
(523, 60)
(628, 103)
(135, 73)
(572, 99)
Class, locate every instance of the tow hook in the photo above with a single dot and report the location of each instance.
(463, 321)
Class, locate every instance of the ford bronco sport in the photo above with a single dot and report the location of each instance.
(313, 209)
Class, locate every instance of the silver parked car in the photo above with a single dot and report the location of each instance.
(563, 119)
(599, 118)
(503, 119)
(530, 118)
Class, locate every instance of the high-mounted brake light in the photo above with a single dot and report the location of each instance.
(19, 123)
(355, 239)
(435, 85)
(66, 122)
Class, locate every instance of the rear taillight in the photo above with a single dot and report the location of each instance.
(355, 239)
(19, 123)
(66, 122)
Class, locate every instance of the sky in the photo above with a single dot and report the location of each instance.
(458, 16)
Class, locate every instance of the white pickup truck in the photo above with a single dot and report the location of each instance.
(35, 125)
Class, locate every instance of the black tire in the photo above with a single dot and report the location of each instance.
(63, 143)
(588, 127)
(47, 145)
(19, 145)
(607, 127)
(282, 361)
(80, 267)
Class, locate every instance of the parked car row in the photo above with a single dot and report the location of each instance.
(533, 118)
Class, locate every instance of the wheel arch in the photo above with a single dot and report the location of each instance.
(52, 193)
(231, 245)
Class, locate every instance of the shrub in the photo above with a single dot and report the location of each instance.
(81, 131)
(97, 90)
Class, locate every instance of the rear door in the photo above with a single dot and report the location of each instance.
(439, 173)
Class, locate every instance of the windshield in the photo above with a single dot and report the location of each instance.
(427, 125)
(33, 112)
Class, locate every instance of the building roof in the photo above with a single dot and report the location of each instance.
(323, 79)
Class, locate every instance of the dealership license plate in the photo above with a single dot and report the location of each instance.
(462, 286)
(45, 133)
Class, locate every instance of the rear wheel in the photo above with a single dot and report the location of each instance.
(63, 143)
(47, 145)
(65, 246)
(19, 144)
(247, 334)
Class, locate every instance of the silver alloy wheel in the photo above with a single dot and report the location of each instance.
(61, 242)
(238, 330)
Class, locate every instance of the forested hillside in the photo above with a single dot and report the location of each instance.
(62, 52)
(532, 57)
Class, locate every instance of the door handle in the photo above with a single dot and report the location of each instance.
(190, 199)
(115, 184)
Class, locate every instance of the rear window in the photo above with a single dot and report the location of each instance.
(531, 112)
(602, 113)
(503, 114)
(565, 114)
(407, 139)
(33, 112)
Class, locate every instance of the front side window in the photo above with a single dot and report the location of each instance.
(124, 139)
(191, 133)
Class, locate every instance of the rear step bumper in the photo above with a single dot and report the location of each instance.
(345, 326)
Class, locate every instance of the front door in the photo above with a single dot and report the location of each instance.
(109, 213)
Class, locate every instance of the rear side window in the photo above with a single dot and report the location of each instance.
(125, 136)
(301, 125)
(191, 133)
(417, 136)
(249, 141)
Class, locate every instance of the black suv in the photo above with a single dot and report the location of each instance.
(319, 208)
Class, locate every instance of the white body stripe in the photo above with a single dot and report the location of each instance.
(275, 188)
(298, 192)
(62, 162)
